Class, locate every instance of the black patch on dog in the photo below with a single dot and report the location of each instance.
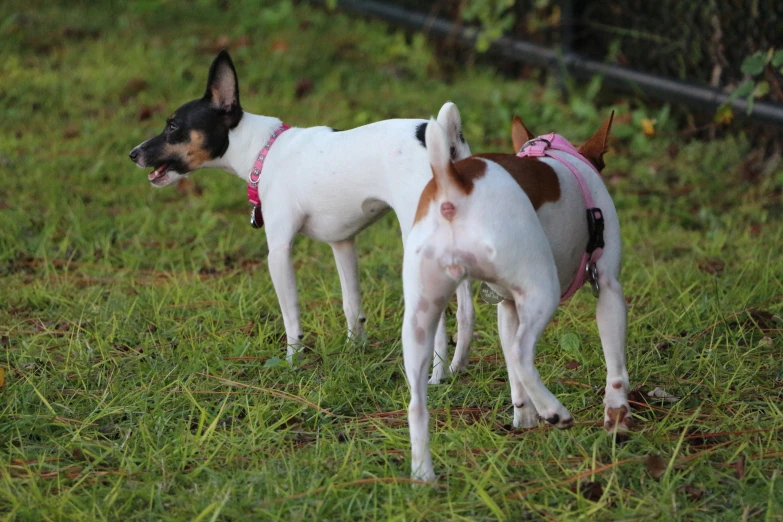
(453, 152)
(461, 137)
(421, 129)
(211, 120)
(335, 130)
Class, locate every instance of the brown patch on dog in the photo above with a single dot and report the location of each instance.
(426, 199)
(595, 148)
(617, 418)
(420, 334)
(192, 152)
(519, 133)
(537, 179)
(617, 385)
(423, 306)
(463, 173)
(466, 172)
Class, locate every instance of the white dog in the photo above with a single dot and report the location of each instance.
(326, 184)
(519, 224)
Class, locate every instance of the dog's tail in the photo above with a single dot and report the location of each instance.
(451, 121)
(448, 192)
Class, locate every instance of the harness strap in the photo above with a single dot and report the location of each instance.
(545, 146)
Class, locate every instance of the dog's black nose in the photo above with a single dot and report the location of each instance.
(134, 154)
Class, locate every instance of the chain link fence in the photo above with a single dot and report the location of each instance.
(701, 43)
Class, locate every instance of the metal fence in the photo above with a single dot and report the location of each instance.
(686, 51)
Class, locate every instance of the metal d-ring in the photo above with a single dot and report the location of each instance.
(530, 142)
(592, 276)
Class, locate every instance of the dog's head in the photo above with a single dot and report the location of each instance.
(593, 149)
(196, 133)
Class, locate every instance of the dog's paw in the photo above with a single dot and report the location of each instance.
(525, 417)
(439, 373)
(424, 475)
(561, 423)
(458, 366)
(559, 417)
(618, 419)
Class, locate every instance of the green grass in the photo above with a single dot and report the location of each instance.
(139, 328)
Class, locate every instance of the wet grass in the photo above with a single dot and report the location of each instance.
(140, 334)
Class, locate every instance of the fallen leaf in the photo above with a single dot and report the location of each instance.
(303, 88)
(739, 467)
(660, 393)
(655, 465)
(222, 42)
(132, 88)
(766, 342)
(188, 187)
(242, 41)
(592, 491)
(573, 364)
(71, 132)
(145, 112)
(2, 376)
(693, 492)
(279, 46)
(648, 127)
(712, 265)
(249, 328)
(724, 115)
(80, 455)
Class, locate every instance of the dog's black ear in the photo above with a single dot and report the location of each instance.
(223, 86)
(598, 144)
(519, 134)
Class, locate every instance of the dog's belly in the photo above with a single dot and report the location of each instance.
(338, 224)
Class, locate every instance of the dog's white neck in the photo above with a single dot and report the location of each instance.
(245, 141)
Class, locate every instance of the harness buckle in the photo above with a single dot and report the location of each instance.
(595, 229)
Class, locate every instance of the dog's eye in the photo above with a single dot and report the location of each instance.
(172, 126)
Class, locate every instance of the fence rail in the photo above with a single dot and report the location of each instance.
(561, 57)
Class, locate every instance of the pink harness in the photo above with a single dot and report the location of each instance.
(547, 145)
(256, 218)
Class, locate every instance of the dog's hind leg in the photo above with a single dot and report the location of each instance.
(427, 289)
(534, 309)
(525, 414)
(611, 315)
(348, 269)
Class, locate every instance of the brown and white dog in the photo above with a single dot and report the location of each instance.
(517, 223)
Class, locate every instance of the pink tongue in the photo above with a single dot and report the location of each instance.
(155, 174)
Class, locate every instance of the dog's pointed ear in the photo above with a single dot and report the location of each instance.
(598, 144)
(519, 134)
(223, 86)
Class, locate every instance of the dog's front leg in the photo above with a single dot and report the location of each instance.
(284, 280)
(466, 316)
(348, 269)
(440, 367)
(611, 315)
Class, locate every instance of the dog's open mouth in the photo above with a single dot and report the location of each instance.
(158, 173)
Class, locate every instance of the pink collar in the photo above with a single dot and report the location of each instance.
(256, 218)
(546, 145)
